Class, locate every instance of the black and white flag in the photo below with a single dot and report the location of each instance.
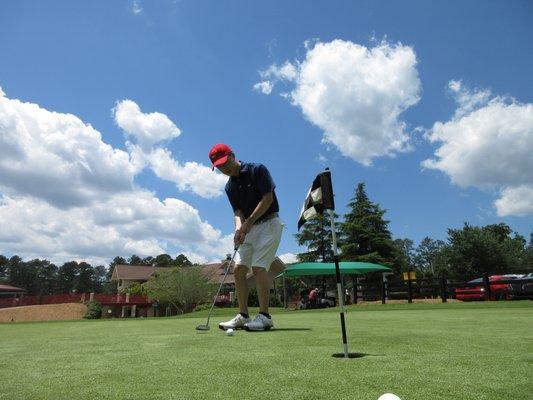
(318, 199)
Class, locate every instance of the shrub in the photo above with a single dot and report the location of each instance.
(275, 301)
(94, 310)
(135, 288)
(182, 287)
(202, 307)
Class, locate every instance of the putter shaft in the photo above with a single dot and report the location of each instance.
(206, 326)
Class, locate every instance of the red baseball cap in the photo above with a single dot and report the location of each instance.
(219, 154)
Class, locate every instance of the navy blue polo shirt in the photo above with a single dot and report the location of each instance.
(245, 194)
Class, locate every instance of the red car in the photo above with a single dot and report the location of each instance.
(498, 291)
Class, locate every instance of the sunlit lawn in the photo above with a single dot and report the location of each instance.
(417, 351)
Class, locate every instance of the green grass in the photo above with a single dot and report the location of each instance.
(417, 351)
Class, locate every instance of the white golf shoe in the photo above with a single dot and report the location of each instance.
(260, 323)
(236, 322)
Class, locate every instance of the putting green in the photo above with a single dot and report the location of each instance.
(417, 351)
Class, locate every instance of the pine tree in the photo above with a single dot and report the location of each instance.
(365, 234)
(3, 268)
(316, 236)
(67, 277)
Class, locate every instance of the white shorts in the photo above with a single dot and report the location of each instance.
(260, 244)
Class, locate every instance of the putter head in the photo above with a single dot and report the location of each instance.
(202, 327)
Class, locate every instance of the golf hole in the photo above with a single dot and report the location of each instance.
(350, 355)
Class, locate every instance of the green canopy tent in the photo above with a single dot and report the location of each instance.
(346, 268)
(322, 269)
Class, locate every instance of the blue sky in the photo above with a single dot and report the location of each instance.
(428, 103)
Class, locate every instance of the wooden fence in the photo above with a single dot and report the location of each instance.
(442, 288)
(105, 299)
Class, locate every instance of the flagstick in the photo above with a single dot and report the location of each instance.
(339, 282)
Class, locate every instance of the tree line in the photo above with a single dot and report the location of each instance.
(364, 236)
(42, 277)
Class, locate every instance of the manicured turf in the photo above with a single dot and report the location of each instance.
(417, 351)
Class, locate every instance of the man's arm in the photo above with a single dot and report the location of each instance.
(239, 219)
(259, 210)
(238, 238)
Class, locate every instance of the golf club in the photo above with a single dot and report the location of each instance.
(205, 327)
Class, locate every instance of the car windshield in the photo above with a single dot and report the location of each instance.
(478, 280)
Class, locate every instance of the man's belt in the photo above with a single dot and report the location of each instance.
(267, 218)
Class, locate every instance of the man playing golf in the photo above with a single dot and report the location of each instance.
(250, 190)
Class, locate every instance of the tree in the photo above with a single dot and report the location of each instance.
(18, 274)
(527, 263)
(148, 261)
(365, 234)
(135, 288)
(37, 277)
(116, 261)
(46, 276)
(67, 277)
(4, 262)
(163, 260)
(99, 278)
(404, 257)
(490, 249)
(184, 288)
(135, 260)
(86, 278)
(182, 261)
(108, 286)
(316, 236)
(430, 256)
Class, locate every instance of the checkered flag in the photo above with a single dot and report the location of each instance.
(318, 199)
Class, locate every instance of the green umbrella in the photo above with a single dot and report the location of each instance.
(346, 267)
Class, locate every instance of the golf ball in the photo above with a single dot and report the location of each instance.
(389, 396)
(230, 332)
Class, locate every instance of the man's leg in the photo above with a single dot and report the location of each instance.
(263, 288)
(241, 287)
(269, 235)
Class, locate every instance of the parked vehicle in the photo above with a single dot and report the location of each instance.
(522, 289)
(498, 290)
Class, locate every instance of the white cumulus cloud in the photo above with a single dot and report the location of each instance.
(516, 201)
(65, 194)
(264, 87)
(137, 7)
(132, 223)
(487, 144)
(148, 131)
(57, 157)
(190, 176)
(355, 94)
(286, 71)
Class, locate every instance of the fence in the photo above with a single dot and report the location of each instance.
(445, 288)
(105, 299)
(439, 288)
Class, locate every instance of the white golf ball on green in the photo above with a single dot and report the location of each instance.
(230, 332)
(389, 396)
